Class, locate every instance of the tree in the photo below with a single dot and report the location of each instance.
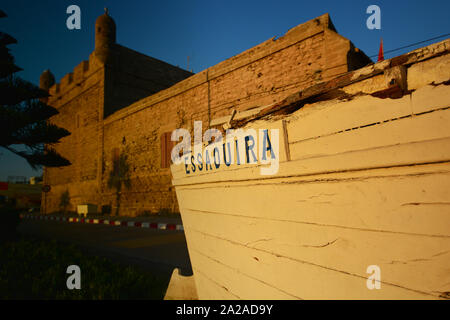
(24, 114)
(119, 176)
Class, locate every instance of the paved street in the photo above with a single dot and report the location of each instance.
(158, 251)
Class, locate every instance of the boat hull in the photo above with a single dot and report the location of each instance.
(361, 184)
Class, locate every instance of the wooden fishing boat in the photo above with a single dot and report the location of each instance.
(362, 184)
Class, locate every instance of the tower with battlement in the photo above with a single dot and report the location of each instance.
(120, 101)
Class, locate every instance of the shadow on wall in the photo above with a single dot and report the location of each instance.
(357, 59)
(119, 177)
(64, 201)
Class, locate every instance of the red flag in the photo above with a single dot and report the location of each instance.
(380, 53)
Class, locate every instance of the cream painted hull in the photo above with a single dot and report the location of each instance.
(361, 182)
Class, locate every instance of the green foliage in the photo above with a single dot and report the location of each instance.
(9, 220)
(36, 269)
(24, 115)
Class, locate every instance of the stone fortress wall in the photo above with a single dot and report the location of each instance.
(123, 102)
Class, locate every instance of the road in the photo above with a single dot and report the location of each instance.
(157, 251)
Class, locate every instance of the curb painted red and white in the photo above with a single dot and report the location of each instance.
(111, 222)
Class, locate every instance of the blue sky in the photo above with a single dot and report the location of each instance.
(206, 31)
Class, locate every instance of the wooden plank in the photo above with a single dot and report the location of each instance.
(300, 279)
(408, 154)
(430, 97)
(331, 117)
(415, 204)
(408, 141)
(209, 289)
(233, 283)
(426, 127)
(415, 262)
(433, 71)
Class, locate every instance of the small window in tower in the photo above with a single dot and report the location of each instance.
(166, 149)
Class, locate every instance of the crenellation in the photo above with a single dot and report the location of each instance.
(79, 72)
(52, 90)
(69, 90)
(66, 81)
(300, 36)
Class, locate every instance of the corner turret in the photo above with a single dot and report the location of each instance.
(46, 80)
